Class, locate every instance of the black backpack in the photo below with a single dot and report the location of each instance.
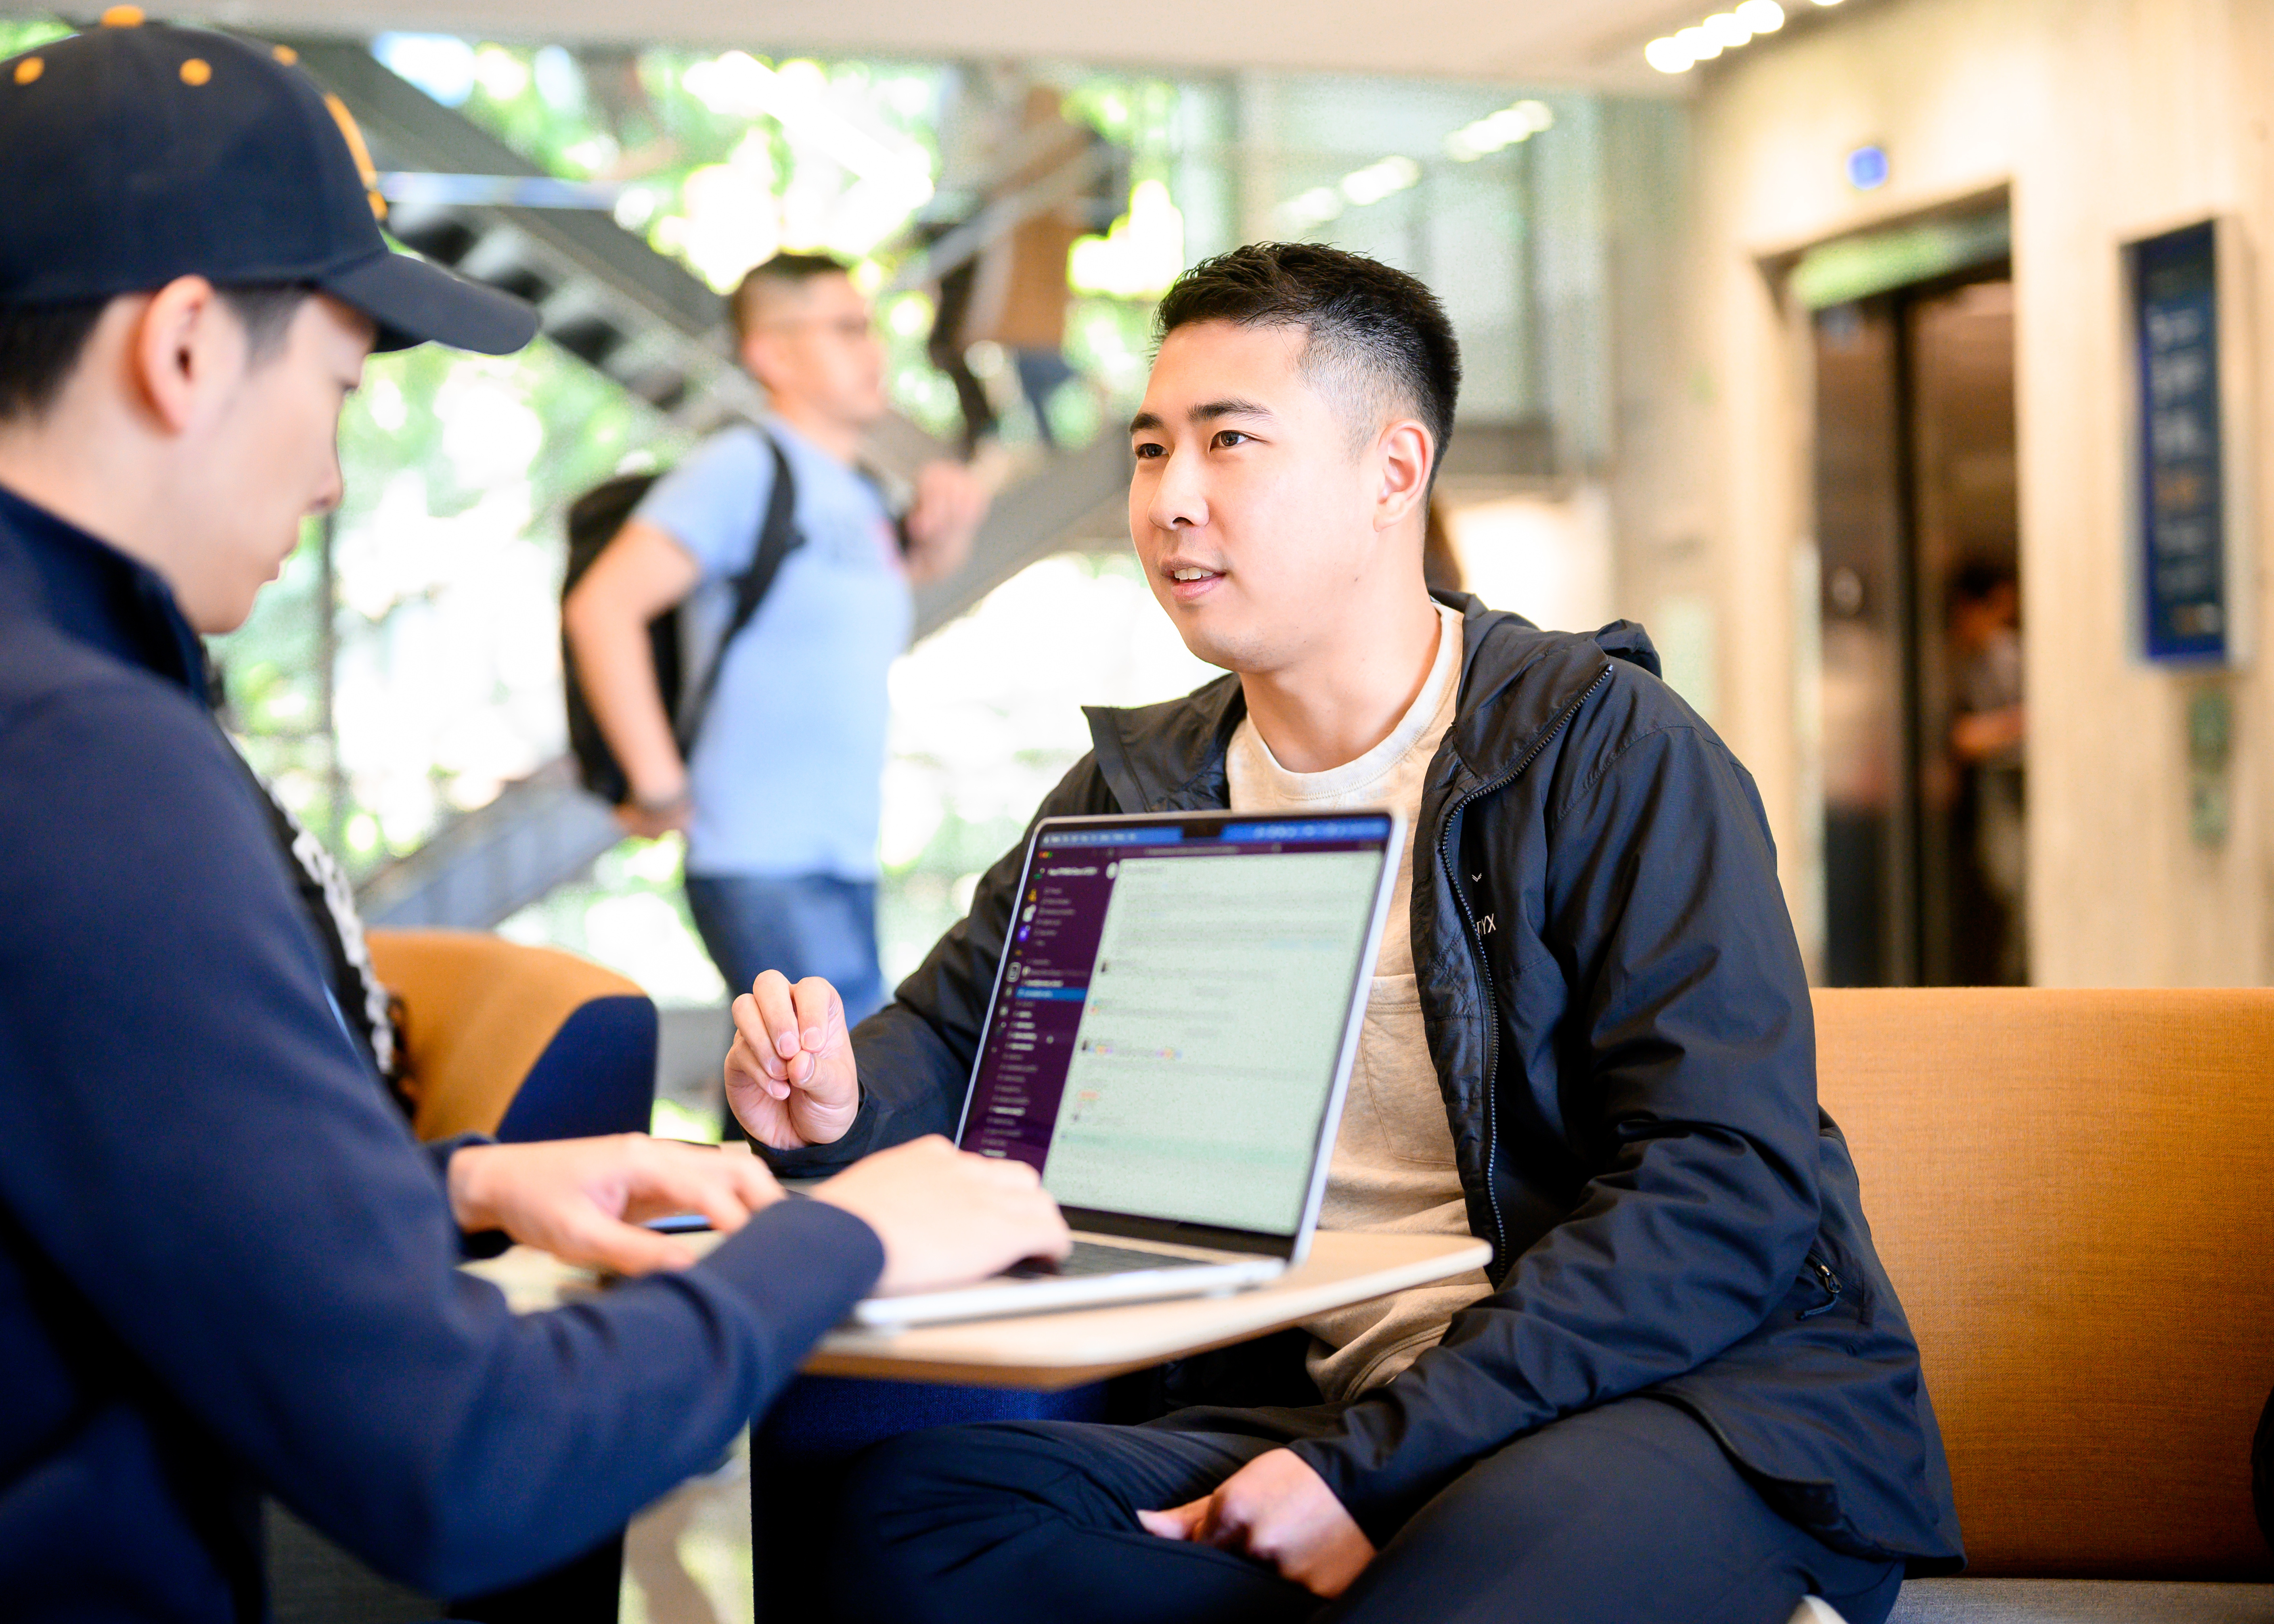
(594, 518)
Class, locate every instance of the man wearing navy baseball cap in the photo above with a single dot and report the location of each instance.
(225, 1266)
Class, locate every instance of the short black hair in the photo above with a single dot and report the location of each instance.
(783, 270)
(41, 344)
(1377, 332)
(1978, 581)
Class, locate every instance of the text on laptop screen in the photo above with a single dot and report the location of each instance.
(1172, 1012)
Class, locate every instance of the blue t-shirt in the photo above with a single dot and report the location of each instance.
(787, 773)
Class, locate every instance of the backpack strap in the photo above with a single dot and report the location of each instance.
(779, 536)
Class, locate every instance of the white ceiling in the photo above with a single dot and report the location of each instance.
(1595, 42)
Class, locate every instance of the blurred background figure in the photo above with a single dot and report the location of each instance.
(1045, 183)
(944, 348)
(1988, 811)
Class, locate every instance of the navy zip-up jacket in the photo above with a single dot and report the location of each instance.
(1621, 1028)
(225, 1265)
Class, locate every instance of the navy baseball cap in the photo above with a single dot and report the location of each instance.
(138, 152)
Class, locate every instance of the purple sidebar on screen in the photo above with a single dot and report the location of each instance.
(1038, 1006)
(1061, 916)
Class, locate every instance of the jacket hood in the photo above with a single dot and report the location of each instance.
(1515, 681)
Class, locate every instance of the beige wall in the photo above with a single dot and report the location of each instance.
(2105, 119)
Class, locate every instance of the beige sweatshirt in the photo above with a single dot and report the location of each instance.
(1393, 1165)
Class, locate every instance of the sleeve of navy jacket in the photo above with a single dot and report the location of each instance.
(1686, 1061)
(191, 1149)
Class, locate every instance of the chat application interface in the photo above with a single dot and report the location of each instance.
(1166, 1032)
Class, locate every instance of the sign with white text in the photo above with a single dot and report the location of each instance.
(2187, 596)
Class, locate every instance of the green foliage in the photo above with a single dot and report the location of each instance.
(1140, 114)
(18, 35)
(399, 425)
(396, 422)
(636, 119)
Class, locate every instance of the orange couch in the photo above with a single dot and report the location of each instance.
(2074, 1191)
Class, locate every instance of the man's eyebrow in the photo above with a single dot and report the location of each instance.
(1207, 411)
(1231, 406)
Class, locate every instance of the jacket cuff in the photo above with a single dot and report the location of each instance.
(820, 1161)
(1379, 1498)
(800, 1266)
(483, 1243)
(441, 1151)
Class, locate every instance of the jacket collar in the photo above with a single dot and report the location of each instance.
(1516, 681)
(55, 572)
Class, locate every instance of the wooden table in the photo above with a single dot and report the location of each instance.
(1069, 1348)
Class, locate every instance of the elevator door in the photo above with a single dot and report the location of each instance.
(1924, 827)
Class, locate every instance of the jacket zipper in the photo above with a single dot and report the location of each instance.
(1476, 948)
(1827, 1280)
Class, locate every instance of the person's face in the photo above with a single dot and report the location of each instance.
(1977, 622)
(815, 347)
(1253, 515)
(264, 457)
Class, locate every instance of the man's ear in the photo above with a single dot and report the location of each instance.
(1404, 454)
(759, 358)
(183, 349)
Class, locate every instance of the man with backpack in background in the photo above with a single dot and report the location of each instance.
(794, 580)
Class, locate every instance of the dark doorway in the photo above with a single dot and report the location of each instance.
(1917, 530)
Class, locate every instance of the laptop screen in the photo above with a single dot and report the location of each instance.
(1169, 1020)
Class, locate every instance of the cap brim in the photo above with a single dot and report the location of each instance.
(418, 302)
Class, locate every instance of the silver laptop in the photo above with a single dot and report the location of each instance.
(1174, 1022)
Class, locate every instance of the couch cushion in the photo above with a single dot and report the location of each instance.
(2074, 1193)
(2081, 1601)
(479, 1013)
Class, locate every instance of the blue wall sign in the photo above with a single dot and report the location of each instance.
(2175, 287)
(1867, 168)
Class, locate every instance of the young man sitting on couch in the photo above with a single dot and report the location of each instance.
(1684, 1390)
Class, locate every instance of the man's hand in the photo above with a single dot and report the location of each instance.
(1978, 735)
(650, 817)
(950, 505)
(1279, 1511)
(583, 1199)
(946, 1217)
(790, 1077)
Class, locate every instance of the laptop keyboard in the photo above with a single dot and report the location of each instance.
(1088, 1258)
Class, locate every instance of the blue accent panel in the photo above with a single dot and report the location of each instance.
(597, 1076)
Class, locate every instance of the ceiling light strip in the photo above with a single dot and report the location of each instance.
(1723, 31)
